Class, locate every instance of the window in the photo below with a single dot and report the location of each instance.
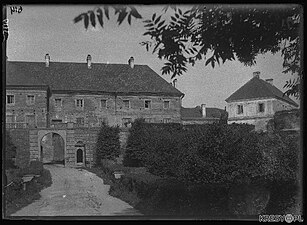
(10, 118)
(148, 120)
(10, 99)
(58, 102)
(126, 104)
(166, 104)
(126, 122)
(147, 104)
(30, 120)
(30, 99)
(80, 120)
(103, 104)
(56, 120)
(261, 107)
(240, 109)
(166, 120)
(102, 120)
(79, 103)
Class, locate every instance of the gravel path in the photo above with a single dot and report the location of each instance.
(76, 192)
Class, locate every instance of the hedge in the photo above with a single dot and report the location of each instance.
(215, 154)
(107, 145)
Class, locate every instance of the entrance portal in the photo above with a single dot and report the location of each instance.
(79, 156)
(52, 148)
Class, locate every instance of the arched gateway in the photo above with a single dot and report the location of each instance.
(52, 146)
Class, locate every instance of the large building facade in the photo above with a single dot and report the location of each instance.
(256, 102)
(50, 94)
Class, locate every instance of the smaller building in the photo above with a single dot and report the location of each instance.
(256, 102)
(203, 115)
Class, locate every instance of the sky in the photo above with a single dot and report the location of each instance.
(41, 29)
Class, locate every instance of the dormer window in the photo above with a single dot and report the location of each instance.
(240, 109)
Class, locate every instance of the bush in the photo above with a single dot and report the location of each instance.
(107, 145)
(10, 151)
(17, 198)
(35, 167)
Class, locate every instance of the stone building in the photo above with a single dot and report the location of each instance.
(202, 115)
(256, 102)
(57, 107)
(47, 94)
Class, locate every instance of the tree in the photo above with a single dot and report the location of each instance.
(217, 33)
(10, 151)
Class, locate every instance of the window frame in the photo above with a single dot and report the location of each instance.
(31, 115)
(13, 118)
(259, 107)
(167, 119)
(147, 100)
(83, 121)
(28, 100)
(76, 103)
(169, 103)
(55, 103)
(240, 109)
(101, 100)
(126, 100)
(7, 99)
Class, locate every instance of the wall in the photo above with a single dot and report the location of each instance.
(21, 108)
(279, 105)
(250, 109)
(115, 110)
(20, 138)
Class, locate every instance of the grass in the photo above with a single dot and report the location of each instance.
(17, 198)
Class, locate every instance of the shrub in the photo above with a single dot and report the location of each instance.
(107, 145)
(10, 151)
(35, 167)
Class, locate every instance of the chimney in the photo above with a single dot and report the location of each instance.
(131, 62)
(270, 81)
(47, 59)
(174, 82)
(89, 61)
(203, 110)
(256, 74)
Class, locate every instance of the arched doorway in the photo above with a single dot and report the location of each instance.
(80, 153)
(52, 148)
(79, 156)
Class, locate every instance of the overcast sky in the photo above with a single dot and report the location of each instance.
(38, 30)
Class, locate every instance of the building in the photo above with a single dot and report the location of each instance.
(49, 94)
(256, 102)
(202, 115)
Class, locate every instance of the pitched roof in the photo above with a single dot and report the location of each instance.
(196, 113)
(258, 88)
(66, 76)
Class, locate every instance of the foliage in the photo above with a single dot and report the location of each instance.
(282, 197)
(212, 153)
(35, 167)
(10, 151)
(217, 33)
(107, 145)
(17, 198)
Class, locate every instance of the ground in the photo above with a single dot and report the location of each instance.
(76, 192)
